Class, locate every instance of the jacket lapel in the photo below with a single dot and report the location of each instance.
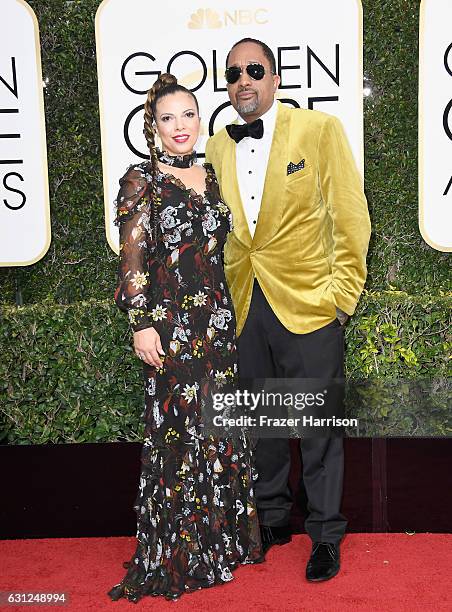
(271, 209)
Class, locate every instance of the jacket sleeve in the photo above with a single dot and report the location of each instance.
(132, 293)
(343, 195)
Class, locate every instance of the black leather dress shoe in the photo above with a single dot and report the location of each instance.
(324, 562)
(274, 535)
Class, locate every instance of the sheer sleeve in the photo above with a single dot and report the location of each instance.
(133, 218)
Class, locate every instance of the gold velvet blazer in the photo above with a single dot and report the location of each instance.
(309, 249)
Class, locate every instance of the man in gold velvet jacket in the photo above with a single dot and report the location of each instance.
(296, 266)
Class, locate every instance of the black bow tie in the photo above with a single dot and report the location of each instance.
(254, 130)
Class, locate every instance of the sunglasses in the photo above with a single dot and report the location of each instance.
(255, 71)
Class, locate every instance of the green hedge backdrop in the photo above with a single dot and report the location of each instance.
(67, 371)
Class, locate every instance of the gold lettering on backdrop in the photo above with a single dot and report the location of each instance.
(245, 17)
(229, 17)
(261, 21)
(208, 18)
(204, 18)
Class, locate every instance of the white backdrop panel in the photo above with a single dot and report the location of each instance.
(24, 192)
(318, 48)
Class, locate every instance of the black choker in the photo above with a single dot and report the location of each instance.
(178, 161)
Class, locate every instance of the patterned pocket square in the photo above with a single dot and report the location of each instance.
(291, 168)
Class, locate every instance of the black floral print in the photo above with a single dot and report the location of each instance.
(195, 507)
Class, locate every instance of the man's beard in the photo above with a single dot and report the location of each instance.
(249, 107)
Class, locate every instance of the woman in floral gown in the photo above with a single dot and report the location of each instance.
(195, 507)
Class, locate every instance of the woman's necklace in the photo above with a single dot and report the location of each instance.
(178, 161)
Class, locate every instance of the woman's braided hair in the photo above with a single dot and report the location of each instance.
(165, 85)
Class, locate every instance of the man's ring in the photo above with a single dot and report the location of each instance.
(140, 355)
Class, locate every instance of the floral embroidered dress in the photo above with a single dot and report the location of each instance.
(195, 507)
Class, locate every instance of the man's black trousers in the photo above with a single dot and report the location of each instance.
(266, 349)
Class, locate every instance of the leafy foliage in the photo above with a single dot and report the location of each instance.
(68, 372)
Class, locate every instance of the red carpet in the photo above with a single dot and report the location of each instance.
(380, 572)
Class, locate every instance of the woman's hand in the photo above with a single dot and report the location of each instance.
(148, 347)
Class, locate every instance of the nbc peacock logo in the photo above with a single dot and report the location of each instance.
(204, 18)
